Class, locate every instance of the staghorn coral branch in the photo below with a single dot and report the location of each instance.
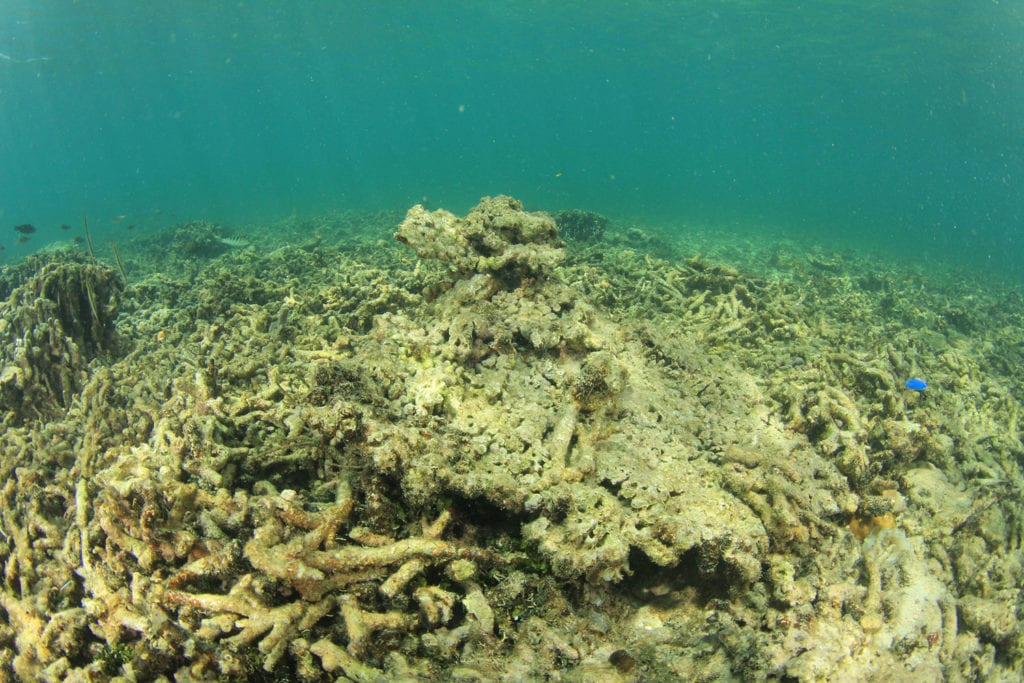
(280, 624)
(355, 558)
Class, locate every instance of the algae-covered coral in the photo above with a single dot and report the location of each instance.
(50, 327)
(475, 453)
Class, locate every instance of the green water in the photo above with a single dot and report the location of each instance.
(891, 125)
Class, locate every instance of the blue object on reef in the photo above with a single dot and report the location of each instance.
(916, 384)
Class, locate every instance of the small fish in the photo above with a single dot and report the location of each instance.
(916, 384)
(23, 239)
(234, 242)
(131, 226)
(65, 226)
(26, 229)
(79, 240)
(118, 219)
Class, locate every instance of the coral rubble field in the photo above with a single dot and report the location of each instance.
(478, 452)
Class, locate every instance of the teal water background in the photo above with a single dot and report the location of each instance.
(896, 125)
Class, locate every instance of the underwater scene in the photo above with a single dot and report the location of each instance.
(511, 341)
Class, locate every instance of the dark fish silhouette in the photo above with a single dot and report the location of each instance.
(26, 229)
(65, 226)
(23, 239)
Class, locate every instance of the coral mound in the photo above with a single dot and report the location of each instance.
(535, 402)
(578, 225)
(50, 327)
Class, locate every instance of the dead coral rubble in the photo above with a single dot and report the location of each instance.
(190, 578)
(491, 464)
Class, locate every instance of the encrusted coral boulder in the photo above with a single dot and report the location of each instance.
(496, 237)
(528, 398)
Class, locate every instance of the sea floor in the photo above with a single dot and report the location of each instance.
(308, 450)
